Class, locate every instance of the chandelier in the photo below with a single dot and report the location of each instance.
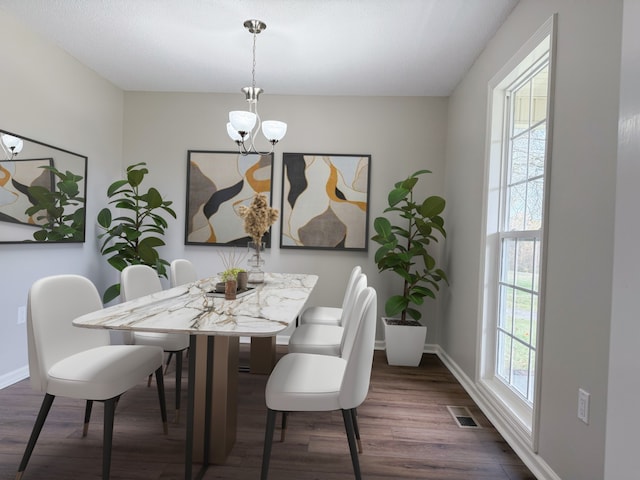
(243, 125)
(11, 146)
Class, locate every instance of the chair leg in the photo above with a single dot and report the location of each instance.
(161, 397)
(166, 368)
(354, 418)
(109, 414)
(283, 429)
(178, 383)
(268, 441)
(149, 380)
(87, 417)
(37, 428)
(348, 425)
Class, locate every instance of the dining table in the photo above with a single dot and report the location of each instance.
(214, 325)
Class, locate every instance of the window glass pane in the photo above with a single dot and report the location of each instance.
(540, 88)
(535, 195)
(516, 207)
(505, 321)
(524, 265)
(521, 107)
(508, 263)
(522, 316)
(520, 368)
(537, 146)
(519, 159)
(503, 362)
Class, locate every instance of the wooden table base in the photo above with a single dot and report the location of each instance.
(221, 413)
(263, 355)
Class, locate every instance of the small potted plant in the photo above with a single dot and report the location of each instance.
(404, 251)
(233, 277)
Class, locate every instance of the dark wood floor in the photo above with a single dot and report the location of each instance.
(406, 429)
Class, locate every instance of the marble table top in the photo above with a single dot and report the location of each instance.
(192, 309)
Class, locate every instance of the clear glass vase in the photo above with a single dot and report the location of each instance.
(255, 262)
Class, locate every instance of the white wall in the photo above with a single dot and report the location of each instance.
(401, 134)
(624, 362)
(580, 246)
(47, 95)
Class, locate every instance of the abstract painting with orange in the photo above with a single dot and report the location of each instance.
(325, 200)
(217, 184)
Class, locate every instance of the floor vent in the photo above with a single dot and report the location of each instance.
(463, 417)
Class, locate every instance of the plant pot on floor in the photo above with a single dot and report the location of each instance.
(404, 341)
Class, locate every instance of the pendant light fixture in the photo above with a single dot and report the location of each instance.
(243, 125)
(11, 146)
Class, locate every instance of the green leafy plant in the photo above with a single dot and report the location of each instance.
(403, 247)
(61, 209)
(133, 237)
(230, 274)
(230, 261)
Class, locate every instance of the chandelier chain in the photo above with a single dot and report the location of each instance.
(253, 71)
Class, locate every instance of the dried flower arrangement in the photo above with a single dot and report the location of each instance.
(258, 217)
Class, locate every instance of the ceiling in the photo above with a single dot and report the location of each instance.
(310, 47)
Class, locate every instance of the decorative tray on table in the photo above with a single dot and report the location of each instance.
(219, 291)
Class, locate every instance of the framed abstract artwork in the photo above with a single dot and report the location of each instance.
(325, 201)
(42, 193)
(217, 184)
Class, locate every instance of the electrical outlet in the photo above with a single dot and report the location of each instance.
(583, 405)
(22, 315)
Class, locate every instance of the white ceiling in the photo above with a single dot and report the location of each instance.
(310, 47)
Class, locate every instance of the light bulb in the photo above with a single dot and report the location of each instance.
(14, 144)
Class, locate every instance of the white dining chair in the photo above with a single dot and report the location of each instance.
(182, 271)
(331, 315)
(140, 280)
(306, 382)
(322, 338)
(80, 363)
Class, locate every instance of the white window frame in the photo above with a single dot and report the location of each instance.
(518, 415)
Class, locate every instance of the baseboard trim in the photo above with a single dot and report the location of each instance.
(534, 462)
(15, 376)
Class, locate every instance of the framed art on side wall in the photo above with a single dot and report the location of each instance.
(217, 184)
(325, 201)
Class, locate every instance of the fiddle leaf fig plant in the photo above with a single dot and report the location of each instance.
(133, 237)
(61, 209)
(404, 243)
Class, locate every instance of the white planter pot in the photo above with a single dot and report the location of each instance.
(404, 344)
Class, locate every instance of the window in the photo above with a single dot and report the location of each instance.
(515, 216)
(520, 234)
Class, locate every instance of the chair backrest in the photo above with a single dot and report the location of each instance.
(358, 351)
(348, 293)
(53, 303)
(349, 312)
(137, 281)
(182, 271)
